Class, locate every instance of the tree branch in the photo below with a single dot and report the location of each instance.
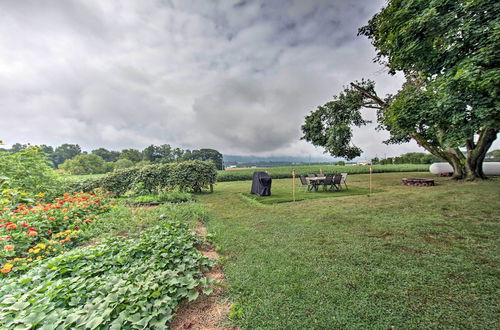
(372, 107)
(369, 95)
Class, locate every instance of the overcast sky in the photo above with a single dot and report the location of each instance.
(237, 76)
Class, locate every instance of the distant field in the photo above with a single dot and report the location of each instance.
(281, 172)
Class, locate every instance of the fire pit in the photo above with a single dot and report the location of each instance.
(418, 182)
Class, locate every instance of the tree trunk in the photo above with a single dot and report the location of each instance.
(453, 156)
(477, 152)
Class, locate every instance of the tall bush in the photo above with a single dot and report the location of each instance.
(190, 175)
(194, 175)
(28, 175)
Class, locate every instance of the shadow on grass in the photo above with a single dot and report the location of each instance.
(285, 196)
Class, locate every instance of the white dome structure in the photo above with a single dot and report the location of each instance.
(489, 168)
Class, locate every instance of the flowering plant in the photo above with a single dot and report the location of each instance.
(27, 230)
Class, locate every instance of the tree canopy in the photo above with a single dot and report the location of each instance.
(446, 50)
(208, 154)
(85, 164)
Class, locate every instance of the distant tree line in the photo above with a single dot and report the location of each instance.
(71, 158)
(408, 158)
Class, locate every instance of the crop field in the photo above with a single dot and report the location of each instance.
(281, 172)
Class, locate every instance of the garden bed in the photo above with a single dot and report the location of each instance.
(418, 182)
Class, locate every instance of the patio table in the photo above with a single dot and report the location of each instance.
(316, 180)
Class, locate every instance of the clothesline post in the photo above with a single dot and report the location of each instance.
(370, 179)
(293, 184)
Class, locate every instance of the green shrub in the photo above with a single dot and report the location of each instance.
(174, 196)
(27, 175)
(194, 175)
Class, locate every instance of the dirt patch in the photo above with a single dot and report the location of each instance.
(206, 312)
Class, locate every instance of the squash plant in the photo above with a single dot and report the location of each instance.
(119, 284)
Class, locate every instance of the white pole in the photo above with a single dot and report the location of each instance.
(370, 179)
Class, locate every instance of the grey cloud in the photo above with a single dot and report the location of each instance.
(238, 76)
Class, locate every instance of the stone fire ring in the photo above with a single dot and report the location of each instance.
(418, 182)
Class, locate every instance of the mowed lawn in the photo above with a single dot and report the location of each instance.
(408, 257)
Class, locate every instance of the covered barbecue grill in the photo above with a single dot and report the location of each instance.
(261, 184)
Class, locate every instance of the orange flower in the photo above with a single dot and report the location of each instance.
(32, 233)
(52, 218)
(11, 226)
(5, 270)
(66, 218)
(8, 247)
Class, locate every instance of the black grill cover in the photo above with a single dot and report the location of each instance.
(261, 184)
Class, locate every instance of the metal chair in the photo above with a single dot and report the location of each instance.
(308, 185)
(328, 182)
(344, 179)
(337, 179)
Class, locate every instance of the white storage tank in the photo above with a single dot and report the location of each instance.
(489, 168)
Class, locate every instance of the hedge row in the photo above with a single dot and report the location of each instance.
(282, 172)
(194, 175)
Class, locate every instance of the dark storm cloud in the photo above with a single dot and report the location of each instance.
(238, 76)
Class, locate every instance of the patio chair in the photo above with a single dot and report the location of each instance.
(344, 179)
(337, 179)
(328, 182)
(308, 185)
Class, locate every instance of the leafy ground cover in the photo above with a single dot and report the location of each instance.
(174, 196)
(138, 265)
(116, 284)
(406, 257)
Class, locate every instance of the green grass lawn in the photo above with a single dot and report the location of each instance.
(282, 191)
(408, 257)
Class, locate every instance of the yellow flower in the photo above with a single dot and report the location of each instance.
(29, 259)
(8, 266)
(54, 250)
(35, 251)
(41, 194)
(39, 257)
(40, 246)
(47, 252)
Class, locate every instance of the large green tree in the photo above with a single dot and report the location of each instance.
(65, 151)
(85, 164)
(131, 154)
(208, 154)
(107, 155)
(447, 51)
